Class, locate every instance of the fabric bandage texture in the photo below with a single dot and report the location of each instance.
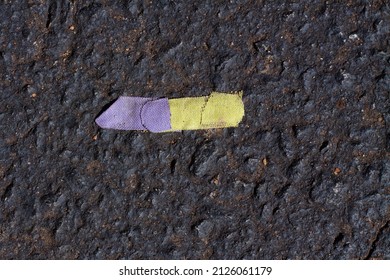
(214, 111)
(217, 110)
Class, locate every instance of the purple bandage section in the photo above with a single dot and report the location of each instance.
(124, 114)
(156, 116)
(136, 113)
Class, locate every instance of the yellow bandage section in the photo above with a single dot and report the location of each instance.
(215, 111)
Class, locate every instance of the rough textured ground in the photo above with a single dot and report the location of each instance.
(306, 175)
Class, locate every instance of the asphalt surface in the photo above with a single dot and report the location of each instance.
(306, 175)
